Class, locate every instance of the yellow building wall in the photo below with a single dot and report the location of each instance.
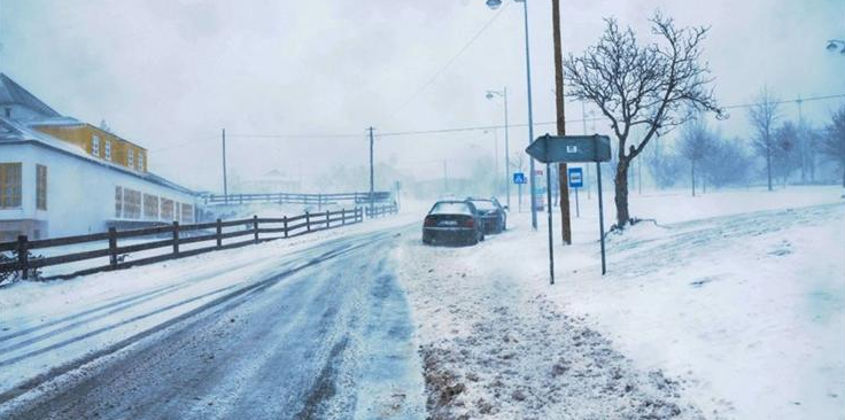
(82, 135)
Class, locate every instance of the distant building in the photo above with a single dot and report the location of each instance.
(60, 176)
(271, 182)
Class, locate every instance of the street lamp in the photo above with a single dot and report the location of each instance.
(494, 4)
(832, 45)
(491, 94)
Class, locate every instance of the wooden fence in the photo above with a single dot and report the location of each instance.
(289, 198)
(256, 229)
(381, 211)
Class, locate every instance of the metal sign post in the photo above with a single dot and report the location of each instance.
(572, 149)
(601, 219)
(549, 203)
(576, 181)
(519, 180)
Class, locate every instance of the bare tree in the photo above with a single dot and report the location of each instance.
(658, 86)
(785, 154)
(726, 162)
(696, 142)
(833, 143)
(764, 115)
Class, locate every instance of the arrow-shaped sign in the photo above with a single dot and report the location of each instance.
(549, 149)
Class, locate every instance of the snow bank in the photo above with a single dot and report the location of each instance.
(737, 298)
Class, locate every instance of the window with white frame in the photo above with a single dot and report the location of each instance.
(131, 204)
(95, 145)
(108, 150)
(130, 158)
(140, 161)
(118, 201)
(10, 185)
(40, 187)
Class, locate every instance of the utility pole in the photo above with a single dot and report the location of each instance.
(565, 222)
(584, 132)
(532, 176)
(507, 151)
(372, 179)
(225, 181)
(445, 178)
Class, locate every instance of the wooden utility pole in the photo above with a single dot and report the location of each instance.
(565, 222)
(225, 181)
(372, 178)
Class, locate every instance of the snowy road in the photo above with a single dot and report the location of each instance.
(327, 333)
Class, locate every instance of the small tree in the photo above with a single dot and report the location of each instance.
(657, 86)
(785, 154)
(833, 143)
(696, 143)
(764, 115)
(726, 163)
(665, 166)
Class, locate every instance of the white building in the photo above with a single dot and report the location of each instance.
(60, 176)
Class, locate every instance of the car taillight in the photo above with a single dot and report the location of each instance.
(429, 221)
(470, 222)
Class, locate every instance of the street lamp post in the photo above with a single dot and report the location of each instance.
(504, 94)
(832, 45)
(493, 4)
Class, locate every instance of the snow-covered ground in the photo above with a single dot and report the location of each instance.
(732, 306)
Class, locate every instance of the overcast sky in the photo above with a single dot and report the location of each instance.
(170, 74)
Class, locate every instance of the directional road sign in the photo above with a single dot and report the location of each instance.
(548, 148)
(519, 178)
(576, 177)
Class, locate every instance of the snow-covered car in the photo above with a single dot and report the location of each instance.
(453, 222)
(493, 215)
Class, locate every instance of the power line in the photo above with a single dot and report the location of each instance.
(449, 63)
(406, 133)
(786, 101)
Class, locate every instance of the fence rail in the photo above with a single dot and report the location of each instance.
(290, 198)
(256, 229)
(381, 211)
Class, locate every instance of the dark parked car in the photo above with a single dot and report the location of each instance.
(492, 214)
(453, 222)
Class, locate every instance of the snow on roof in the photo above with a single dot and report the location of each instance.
(12, 131)
(13, 93)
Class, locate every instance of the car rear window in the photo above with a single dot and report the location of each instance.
(451, 208)
(484, 205)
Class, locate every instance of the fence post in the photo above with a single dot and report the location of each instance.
(285, 220)
(219, 233)
(255, 227)
(23, 256)
(113, 246)
(307, 221)
(328, 220)
(242, 198)
(175, 237)
(343, 217)
(319, 202)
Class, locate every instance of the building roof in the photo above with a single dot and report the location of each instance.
(12, 131)
(13, 93)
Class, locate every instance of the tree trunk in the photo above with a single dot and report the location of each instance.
(621, 198)
(692, 176)
(769, 166)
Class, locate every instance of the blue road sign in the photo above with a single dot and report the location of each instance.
(519, 178)
(576, 178)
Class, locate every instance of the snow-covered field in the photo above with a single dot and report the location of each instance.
(732, 307)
